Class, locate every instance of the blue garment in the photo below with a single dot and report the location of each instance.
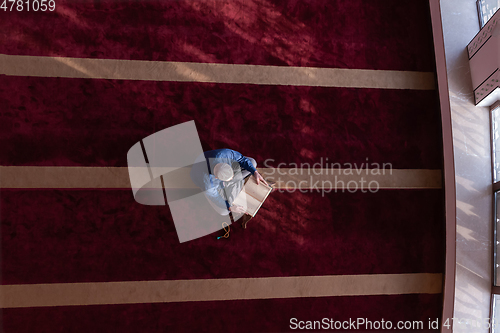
(201, 173)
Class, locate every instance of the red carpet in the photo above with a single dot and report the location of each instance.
(85, 236)
(225, 316)
(95, 122)
(53, 235)
(375, 34)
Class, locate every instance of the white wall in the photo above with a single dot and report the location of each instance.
(471, 139)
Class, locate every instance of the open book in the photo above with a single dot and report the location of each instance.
(252, 196)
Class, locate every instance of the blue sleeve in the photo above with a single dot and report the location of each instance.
(213, 195)
(243, 161)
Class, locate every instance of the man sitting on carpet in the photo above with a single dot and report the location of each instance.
(221, 175)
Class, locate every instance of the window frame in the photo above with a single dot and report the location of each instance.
(495, 288)
(480, 16)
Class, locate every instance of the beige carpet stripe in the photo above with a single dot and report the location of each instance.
(42, 295)
(287, 178)
(210, 72)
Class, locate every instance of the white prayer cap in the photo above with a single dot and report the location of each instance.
(223, 171)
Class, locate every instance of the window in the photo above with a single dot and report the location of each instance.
(496, 217)
(495, 130)
(495, 328)
(486, 9)
(495, 160)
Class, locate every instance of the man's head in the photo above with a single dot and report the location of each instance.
(223, 171)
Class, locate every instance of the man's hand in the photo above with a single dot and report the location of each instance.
(259, 178)
(237, 209)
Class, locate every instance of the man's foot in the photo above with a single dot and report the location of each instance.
(244, 220)
(271, 183)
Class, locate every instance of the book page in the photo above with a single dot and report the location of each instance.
(252, 196)
(259, 192)
(253, 205)
(241, 199)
